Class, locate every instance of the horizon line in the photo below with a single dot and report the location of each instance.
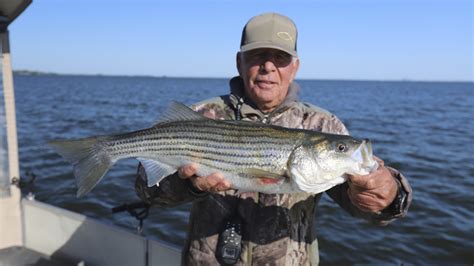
(26, 72)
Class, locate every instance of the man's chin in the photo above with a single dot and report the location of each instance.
(265, 96)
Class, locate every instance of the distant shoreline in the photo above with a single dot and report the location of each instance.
(41, 73)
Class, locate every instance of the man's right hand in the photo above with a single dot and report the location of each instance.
(214, 182)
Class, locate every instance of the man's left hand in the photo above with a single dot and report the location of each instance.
(373, 192)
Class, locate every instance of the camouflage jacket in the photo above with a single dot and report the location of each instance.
(278, 229)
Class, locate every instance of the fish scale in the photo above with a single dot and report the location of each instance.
(222, 156)
(252, 156)
(187, 137)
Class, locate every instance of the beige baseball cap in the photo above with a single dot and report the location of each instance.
(270, 30)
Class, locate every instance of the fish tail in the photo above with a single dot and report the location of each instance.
(91, 161)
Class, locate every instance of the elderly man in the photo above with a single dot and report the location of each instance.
(275, 228)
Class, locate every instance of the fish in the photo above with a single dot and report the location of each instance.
(252, 156)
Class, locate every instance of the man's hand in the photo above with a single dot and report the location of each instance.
(213, 183)
(373, 192)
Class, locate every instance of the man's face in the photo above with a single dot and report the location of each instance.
(267, 74)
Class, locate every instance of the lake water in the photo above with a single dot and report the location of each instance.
(424, 129)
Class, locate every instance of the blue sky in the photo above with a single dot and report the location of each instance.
(338, 39)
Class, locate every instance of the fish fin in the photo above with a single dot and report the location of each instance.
(180, 112)
(264, 174)
(91, 162)
(156, 171)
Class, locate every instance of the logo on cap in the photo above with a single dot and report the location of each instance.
(284, 36)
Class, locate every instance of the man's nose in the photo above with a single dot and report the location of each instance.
(267, 66)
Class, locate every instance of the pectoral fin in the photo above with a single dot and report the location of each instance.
(265, 177)
(155, 171)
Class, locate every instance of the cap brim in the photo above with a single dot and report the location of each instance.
(259, 45)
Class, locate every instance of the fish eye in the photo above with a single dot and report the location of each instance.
(341, 147)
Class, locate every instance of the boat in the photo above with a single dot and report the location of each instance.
(36, 233)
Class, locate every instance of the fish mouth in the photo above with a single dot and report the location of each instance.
(364, 157)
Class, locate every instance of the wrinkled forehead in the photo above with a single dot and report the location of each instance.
(262, 55)
(267, 52)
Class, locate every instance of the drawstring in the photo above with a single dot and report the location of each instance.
(238, 115)
(229, 245)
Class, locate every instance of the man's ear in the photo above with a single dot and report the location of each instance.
(295, 69)
(238, 61)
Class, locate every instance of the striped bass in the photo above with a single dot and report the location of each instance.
(252, 156)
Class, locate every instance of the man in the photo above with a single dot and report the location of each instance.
(276, 228)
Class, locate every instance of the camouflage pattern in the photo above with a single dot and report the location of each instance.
(278, 229)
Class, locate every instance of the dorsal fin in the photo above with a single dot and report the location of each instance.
(179, 112)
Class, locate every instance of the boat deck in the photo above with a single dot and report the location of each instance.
(20, 256)
(55, 236)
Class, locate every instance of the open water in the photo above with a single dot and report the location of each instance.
(424, 129)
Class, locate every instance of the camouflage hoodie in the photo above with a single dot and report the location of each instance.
(278, 229)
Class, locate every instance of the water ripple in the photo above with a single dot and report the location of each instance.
(423, 129)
